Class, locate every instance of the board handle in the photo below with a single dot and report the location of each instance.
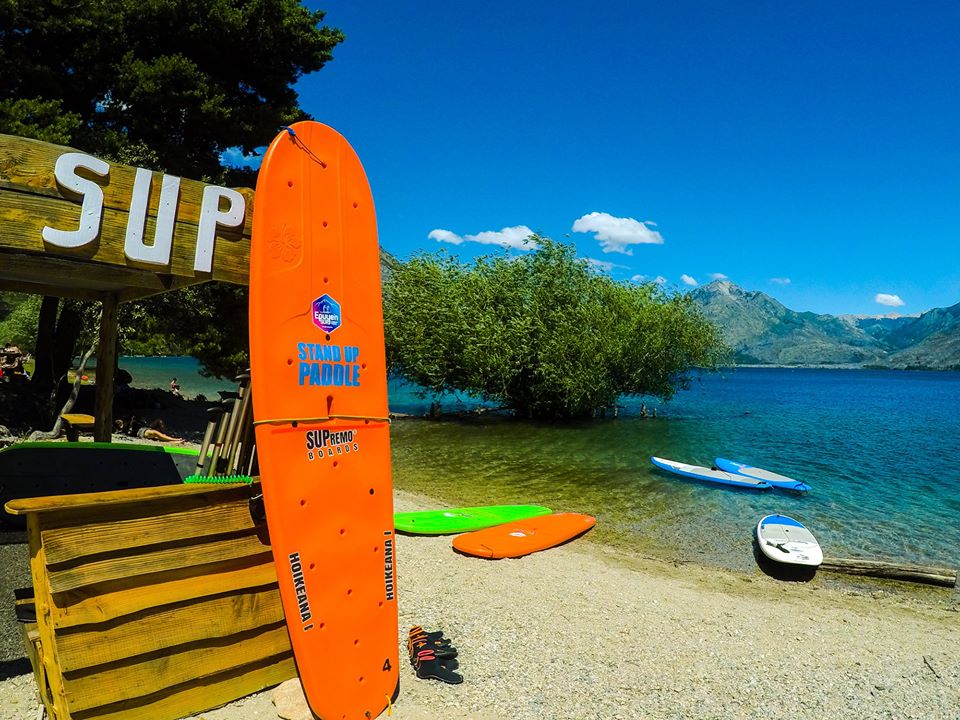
(319, 419)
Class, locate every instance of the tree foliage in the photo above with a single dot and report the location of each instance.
(18, 319)
(180, 79)
(207, 321)
(168, 85)
(541, 333)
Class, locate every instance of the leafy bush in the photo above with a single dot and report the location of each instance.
(541, 333)
(18, 319)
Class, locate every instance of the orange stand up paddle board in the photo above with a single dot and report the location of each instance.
(523, 537)
(319, 380)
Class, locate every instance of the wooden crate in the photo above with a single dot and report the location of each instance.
(152, 603)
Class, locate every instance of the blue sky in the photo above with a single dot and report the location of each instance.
(809, 150)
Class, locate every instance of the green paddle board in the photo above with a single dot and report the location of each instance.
(468, 519)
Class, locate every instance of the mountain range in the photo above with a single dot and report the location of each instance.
(762, 331)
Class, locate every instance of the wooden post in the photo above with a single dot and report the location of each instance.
(106, 369)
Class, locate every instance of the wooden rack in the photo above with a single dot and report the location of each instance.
(152, 603)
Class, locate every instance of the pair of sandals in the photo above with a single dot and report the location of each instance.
(432, 656)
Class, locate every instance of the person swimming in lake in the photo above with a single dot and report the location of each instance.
(175, 388)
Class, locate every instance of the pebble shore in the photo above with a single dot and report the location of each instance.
(582, 631)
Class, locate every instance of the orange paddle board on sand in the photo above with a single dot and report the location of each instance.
(524, 536)
(319, 380)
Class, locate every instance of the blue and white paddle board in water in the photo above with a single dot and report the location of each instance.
(707, 475)
(778, 481)
(784, 540)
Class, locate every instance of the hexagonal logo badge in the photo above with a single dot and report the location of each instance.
(326, 313)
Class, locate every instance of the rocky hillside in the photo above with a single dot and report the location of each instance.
(763, 331)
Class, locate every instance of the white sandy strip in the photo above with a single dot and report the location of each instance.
(580, 632)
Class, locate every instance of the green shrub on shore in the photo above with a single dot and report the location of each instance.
(541, 333)
(18, 319)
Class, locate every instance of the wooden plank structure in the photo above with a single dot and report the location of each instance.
(33, 198)
(152, 603)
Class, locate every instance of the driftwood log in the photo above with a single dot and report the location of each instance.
(946, 577)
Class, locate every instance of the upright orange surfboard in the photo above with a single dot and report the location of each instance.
(319, 382)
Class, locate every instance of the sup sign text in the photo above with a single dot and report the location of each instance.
(135, 246)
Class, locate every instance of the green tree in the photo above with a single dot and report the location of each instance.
(207, 321)
(184, 79)
(18, 319)
(542, 333)
(164, 84)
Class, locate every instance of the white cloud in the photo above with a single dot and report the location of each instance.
(603, 264)
(600, 264)
(687, 280)
(617, 234)
(659, 279)
(889, 300)
(508, 237)
(780, 281)
(446, 236)
(718, 276)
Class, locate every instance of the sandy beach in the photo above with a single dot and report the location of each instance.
(582, 631)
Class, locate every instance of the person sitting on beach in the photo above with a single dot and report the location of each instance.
(121, 382)
(11, 359)
(156, 430)
(11, 349)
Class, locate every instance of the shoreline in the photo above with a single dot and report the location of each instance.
(619, 553)
(586, 631)
(186, 419)
(596, 630)
(839, 366)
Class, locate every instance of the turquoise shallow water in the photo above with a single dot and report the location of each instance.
(881, 450)
(156, 372)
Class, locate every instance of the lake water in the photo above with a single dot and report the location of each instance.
(157, 372)
(880, 448)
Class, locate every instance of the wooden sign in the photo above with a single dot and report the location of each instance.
(126, 230)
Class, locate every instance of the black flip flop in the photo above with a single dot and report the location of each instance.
(428, 667)
(417, 630)
(442, 652)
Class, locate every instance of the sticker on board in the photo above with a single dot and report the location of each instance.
(326, 313)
